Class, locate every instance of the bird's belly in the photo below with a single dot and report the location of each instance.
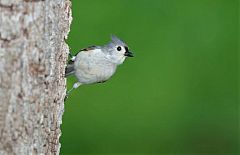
(94, 74)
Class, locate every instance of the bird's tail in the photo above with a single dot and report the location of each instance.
(69, 70)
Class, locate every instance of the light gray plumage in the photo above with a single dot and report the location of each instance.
(97, 64)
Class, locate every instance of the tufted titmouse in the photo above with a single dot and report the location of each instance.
(96, 64)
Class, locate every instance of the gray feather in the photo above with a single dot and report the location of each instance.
(69, 70)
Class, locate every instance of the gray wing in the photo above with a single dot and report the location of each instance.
(90, 48)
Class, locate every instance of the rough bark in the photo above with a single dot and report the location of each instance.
(33, 55)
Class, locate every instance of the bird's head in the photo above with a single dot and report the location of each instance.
(117, 50)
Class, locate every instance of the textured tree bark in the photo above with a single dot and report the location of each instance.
(33, 55)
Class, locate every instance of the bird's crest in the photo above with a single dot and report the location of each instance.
(117, 41)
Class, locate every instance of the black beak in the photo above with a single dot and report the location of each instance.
(128, 54)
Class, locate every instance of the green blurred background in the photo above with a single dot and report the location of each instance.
(178, 95)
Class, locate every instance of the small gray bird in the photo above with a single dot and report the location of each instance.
(96, 64)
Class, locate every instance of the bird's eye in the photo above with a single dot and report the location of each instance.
(119, 48)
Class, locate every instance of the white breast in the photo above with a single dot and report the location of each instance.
(92, 66)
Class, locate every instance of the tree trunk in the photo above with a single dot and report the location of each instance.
(33, 55)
